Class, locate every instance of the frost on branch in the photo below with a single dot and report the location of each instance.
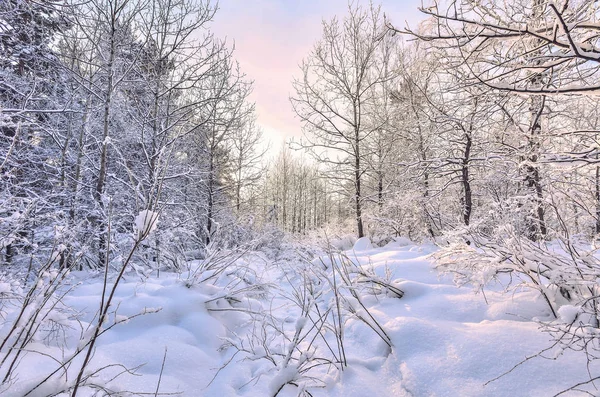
(145, 223)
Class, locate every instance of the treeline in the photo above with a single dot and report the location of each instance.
(455, 127)
(114, 107)
(111, 107)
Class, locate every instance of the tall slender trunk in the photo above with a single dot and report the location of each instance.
(466, 182)
(305, 204)
(428, 220)
(359, 220)
(315, 217)
(154, 152)
(597, 196)
(325, 218)
(533, 180)
(63, 180)
(465, 171)
(101, 181)
(209, 212)
(238, 186)
(63, 158)
(380, 189)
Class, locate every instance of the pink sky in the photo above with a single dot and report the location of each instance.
(271, 39)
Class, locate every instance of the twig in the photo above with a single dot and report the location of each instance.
(161, 372)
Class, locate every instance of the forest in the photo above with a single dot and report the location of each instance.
(443, 203)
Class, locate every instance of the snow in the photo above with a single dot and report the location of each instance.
(145, 223)
(5, 287)
(568, 313)
(446, 341)
(362, 244)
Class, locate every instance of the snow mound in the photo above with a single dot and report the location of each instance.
(362, 244)
(568, 313)
(145, 223)
(343, 243)
(399, 242)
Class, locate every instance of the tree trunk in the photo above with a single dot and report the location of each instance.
(533, 180)
(596, 193)
(101, 181)
(467, 194)
(209, 212)
(359, 220)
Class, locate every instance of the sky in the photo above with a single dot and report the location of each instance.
(273, 36)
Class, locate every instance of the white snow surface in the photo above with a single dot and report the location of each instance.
(145, 223)
(447, 341)
(362, 244)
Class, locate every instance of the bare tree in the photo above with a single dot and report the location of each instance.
(31, 111)
(505, 46)
(336, 93)
(225, 115)
(247, 151)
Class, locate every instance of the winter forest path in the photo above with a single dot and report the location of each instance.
(450, 342)
(447, 341)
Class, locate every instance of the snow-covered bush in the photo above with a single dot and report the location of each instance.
(562, 271)
(306, 348)
(36, 314)
(402, 214)
(565, 271)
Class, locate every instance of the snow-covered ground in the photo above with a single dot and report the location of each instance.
(446, 341)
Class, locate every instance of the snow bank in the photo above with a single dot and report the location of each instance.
(362, 244)
(447, 341)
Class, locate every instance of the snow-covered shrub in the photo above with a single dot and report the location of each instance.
(401, 215)
(36, 314)
(561, 271)
(565, 271)
(306, 347)
(342, 243)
